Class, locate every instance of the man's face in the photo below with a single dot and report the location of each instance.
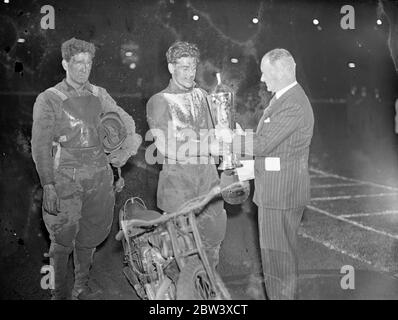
(183, 71)
(269, 76)
(79, 67)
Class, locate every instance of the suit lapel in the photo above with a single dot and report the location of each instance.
(265, 114)
(274, 102)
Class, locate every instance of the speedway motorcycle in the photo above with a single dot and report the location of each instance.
(164, 255)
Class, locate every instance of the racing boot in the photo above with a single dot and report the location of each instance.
(83, 259)
(59, 256)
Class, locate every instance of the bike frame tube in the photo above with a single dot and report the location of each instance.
(202, 254)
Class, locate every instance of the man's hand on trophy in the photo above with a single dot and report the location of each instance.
(224, 133)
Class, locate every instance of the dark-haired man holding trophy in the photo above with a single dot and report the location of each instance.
(181, 124)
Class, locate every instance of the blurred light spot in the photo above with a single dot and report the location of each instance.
(6, 1)
(21, 40)
(319, 28)
(234, 60)
(379, 22)
(128, 54)
(195, 17)
(255, 20)
(315, 22)
(132, 65)
(351, 65)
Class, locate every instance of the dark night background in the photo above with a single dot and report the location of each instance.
(353, 107)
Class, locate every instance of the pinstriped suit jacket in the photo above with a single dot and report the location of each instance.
(284, 131)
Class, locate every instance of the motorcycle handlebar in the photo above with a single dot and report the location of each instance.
(195, 205)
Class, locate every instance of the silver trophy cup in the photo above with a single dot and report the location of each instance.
(221, 107)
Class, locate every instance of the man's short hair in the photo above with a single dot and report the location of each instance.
(281, 58)
(75, 46)
(180, 49)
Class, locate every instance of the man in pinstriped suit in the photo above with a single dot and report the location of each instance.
(282, 185)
